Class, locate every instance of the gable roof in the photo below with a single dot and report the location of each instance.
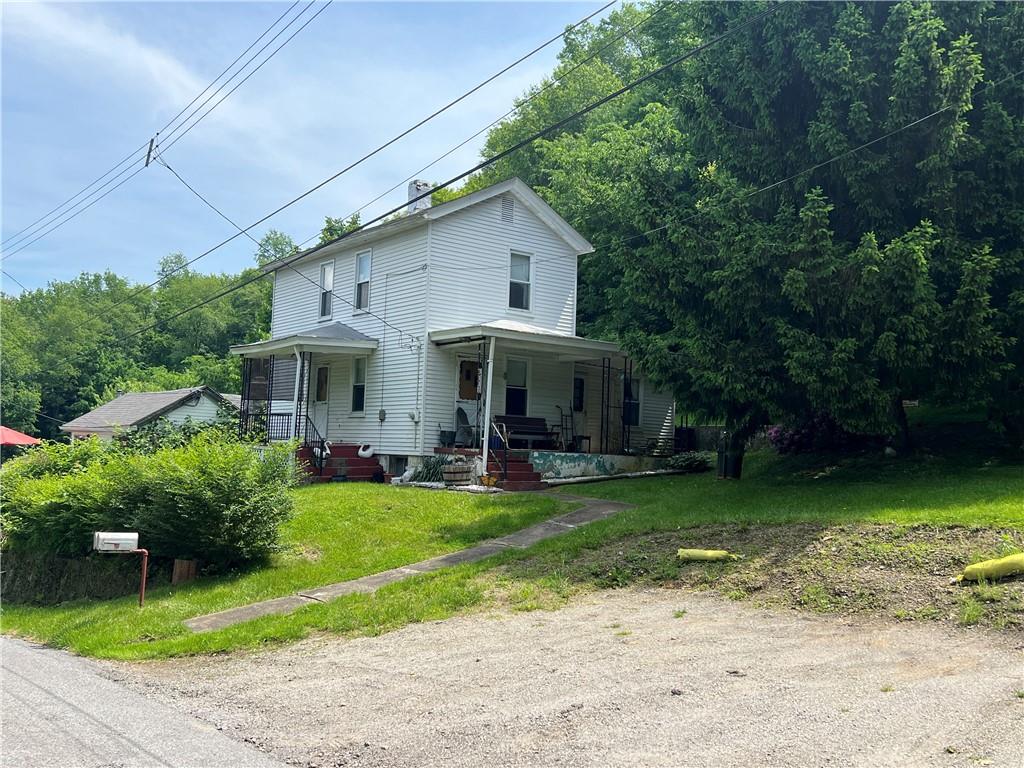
(514, 186)
(135, 408)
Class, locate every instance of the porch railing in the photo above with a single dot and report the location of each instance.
(501, 431)
(266, 427)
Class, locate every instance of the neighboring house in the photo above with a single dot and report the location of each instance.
(136, 409)
(438, 325)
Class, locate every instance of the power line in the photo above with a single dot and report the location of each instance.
(15, 280)
(238, 285)
(817, 166)
(19, 238)
(380, 148)
(139, 149)
(324, 7)
(308, 279)
(550, 84)
(80, 211)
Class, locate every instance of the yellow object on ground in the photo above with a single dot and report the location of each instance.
(994, 569)
(706, 554)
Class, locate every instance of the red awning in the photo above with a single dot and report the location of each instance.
(10, 436)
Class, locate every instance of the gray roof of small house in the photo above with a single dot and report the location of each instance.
(135, 408)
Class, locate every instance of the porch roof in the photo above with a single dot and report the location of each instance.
(525, 336)
(327, 337)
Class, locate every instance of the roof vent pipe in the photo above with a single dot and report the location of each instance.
(417, 188)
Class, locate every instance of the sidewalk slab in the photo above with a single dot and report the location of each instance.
(471, 555)
(593, 509)
(221, 619)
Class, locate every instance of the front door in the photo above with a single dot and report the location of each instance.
(321, 396)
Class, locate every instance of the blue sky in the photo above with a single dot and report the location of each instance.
(85, 83)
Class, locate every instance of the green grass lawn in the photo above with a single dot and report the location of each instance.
(349, 531)
(338, 533)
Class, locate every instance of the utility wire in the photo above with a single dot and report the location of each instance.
(505, 153)
(548, 85)
(15, 280)
(373, 152)
(324, 7)
(308, 279)
(816, 166)
(18, 240)
(80, 211)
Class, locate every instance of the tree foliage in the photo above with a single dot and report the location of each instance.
(754, 275)
(74, 344)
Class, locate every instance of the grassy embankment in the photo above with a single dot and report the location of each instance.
(830, 534)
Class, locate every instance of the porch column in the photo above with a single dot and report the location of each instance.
(487, 400)
(297, 351)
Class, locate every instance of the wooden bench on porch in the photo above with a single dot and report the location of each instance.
(528, 429)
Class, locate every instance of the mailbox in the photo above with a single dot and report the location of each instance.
(115, 542)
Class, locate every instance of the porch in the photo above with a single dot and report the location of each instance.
(533, 403)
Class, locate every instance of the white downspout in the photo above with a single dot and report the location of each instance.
(297, 351)
(487, 401)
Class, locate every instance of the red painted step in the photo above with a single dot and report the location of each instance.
(522, 485)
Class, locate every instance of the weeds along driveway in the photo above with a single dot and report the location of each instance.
(623, 677)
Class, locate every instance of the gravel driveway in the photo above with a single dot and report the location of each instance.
(617, 679)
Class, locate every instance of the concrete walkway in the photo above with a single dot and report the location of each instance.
(592, 509)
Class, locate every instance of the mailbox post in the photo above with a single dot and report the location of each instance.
(124, 543)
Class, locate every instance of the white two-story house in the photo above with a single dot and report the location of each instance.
(450, 329)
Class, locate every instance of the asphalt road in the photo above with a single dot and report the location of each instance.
(58, 710)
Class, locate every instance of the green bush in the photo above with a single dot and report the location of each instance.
(690, 461)
(214, 499)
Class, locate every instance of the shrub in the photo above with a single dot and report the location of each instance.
(690, 462)
(214, 499)
(816, 433)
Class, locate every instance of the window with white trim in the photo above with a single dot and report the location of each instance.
(363, 264)
(358, 384)
(519, 281)
(326, 288)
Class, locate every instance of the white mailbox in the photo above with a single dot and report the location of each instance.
(115, 542)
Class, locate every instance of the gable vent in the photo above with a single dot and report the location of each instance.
(508, 209)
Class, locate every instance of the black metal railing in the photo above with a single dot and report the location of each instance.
(317, 444)
(502, 432)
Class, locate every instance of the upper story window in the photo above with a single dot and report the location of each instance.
(519, 281)
(326, 288)
(362, 297)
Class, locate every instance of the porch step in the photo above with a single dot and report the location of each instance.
(521, 485)
(344, 464)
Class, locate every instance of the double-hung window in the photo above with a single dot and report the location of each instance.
(630, 401)
(326, 288)
(362, 296)
(358, 384)
(519, 281)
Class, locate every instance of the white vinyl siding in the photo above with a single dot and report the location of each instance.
(470, 265)
(205, 410)
(400, 286)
